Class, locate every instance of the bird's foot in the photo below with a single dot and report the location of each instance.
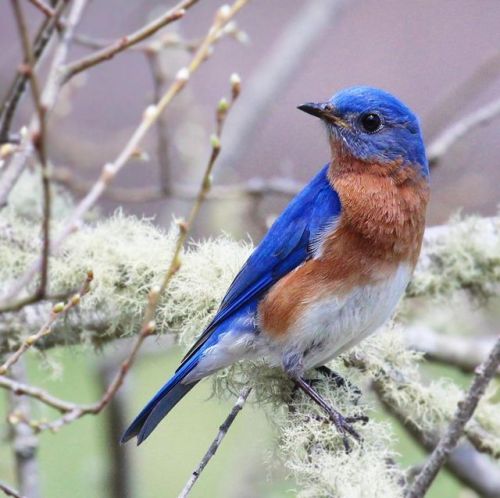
(344, 425)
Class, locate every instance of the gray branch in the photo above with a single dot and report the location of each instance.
(464, 412)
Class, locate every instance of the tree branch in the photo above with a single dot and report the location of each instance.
(127, 41)
(9, 491)
(465, 353)
(438, 148)
(223, 430)
(110, 170)
(18, 86)
(464, 412)
(24, 441)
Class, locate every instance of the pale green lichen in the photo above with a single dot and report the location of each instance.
(466, 256)
(129, 256)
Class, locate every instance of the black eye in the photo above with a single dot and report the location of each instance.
(371, 122)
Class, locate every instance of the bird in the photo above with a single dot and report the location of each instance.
(332, 267)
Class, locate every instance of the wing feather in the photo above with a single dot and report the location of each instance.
(290, 241)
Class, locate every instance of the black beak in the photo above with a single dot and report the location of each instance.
(317, 110)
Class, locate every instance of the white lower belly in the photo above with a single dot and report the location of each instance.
(335, 324)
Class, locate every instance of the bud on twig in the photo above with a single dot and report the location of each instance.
(235, 81)
(58, 308)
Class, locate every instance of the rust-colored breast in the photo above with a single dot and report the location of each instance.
(381, 226)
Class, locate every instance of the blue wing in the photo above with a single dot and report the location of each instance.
(287, 245)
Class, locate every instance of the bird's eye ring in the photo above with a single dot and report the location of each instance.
(371, 122)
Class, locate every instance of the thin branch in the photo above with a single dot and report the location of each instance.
(285, 187)
(125, 42)
(45, 9)
(474, 470)
(465, 353)
(10, 491)
(451, 135)
(22, 389)
(482, 77)
(284, 59)
(464, 412)
(48, 98)
(148, 325)
(57, 311)
(39, 141)
(110, 170)
(223, 430)
(159, 80)
(24, 442)
(16, 89)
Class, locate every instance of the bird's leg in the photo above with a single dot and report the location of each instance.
(342, 424)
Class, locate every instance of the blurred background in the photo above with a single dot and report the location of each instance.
(441, 57)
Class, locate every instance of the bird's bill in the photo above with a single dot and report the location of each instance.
(324, 111)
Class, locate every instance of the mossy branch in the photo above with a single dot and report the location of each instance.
(127, 256)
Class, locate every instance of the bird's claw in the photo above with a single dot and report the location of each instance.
(344, 427)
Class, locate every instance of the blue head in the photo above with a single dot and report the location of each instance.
(373, 126)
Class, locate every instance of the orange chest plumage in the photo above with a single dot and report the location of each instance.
(380, 228)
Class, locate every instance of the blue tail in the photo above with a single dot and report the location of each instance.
(162, 402)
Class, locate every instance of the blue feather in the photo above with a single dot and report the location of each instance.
(287, 245)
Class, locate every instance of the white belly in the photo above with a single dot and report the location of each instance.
(333, 325)
(326, 329)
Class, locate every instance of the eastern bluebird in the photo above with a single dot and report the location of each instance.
(332, 267)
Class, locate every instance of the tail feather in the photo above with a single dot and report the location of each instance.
(161, 403)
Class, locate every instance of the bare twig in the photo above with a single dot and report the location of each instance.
(476, 471)
(24, 441)
(16, 89)
(285, 187)
(277, 69)
(58, 310)
(45, 9)
(9, 491)
(483, 76)
(73, 412)
(159, 80)
(120, 475)
(464, 412)
(48, 99)
(465, 353)
(223, 430)
(110, 170)
(451, 135)
(127, 41)
(39, 142)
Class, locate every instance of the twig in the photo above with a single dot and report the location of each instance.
(9, 491)
(483, 76)
(110, 170)
(443, 143)
(465, 353)
(286, 187)
(39, 142)
(119, 472)
(23, 441)
(476, 471)
(16, 89)
(58, 310)
(223, 430)
(159, 79)
(49, 95)
(148, 326)
(43, 8)
(464, 412)
(277, 69)
(127, 41)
